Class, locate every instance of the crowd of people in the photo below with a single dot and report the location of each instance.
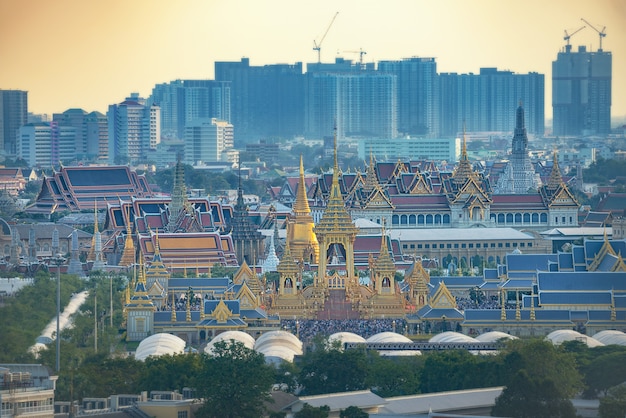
(490, 302)
(307, 329)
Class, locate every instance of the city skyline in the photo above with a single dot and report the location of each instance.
(116, 47)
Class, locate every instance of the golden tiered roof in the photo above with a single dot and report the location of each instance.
(301, 236)
(555, 175)
(464, 170)
(336, 219)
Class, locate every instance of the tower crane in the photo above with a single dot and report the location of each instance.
(601, 33)
(360, 52)
(318, 45)
(567, 36)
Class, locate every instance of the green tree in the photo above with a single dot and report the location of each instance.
(543, 380)
(527, 397)
(395, 376)
(330, 370)
(606, 371)
(235, 382)
(353, 412)
(613, 405)
(309, 411)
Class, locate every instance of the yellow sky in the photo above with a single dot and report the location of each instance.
(92, 53)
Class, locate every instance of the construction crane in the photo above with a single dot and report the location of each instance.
(601, 33)
(318, 45)
(360, 52)
(567, 36)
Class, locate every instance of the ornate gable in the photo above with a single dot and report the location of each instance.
(247, 299)
(443, 298)
(563, 197)
(471, 189)
(221, 313)
(420, 186)
(378, 199)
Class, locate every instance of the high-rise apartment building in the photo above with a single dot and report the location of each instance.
(91, 133)
(360, 102)
(581, 92)
(266, 101)
(133, 130)
(182, 101)
(208, 140)
(417, 92)
(46, 144)
(13, 114)
(483, 102)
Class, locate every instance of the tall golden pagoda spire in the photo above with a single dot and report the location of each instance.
(91, 256)
(300, 235)
(336, 227)
(555, 175)
(128, 256)
(370, 175)
(464, 170)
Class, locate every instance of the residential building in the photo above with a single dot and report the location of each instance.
(208, 140)
(91, 133)
(581, 92)
(46, 144)
(361, 103)
(13, 115)
(133, 130)
(266, 101)
(417, 95)
(432, 149)
(182, 101)
(483, 102)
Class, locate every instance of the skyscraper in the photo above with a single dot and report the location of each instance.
(207, 140)
(132, 130)
(182, 101)
(483, 102)
(267, 101)
(91, 132)
(46, 144)
(13, 114)
(417, 93)
(581, 92)
(361, 102)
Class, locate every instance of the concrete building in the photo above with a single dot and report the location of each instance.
(417, 94)
(46, 144)
(266, 101)
(208, 140)
(182, 101)
(91, 133)
(13, 114)
(581, 92)
(483, 102)
(133, 130)
(431, 149)
(360, 102)
(26, 390)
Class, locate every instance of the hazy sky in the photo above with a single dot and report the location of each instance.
(92, 53)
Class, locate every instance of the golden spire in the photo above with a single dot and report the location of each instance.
(128, 256)
(142, 269)
(301, 205)
(173, 317)
(555, 175)
(384, 263)
(370, 175)
(503, 305)
(464, 170)
(91, 256)
(518, 313)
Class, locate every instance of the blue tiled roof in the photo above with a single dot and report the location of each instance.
(566, 261)
(490, 286)
(198, 282)
(575, 298)
(257, 313)
(578, 254)
(490, 274)
(518, 284)
(229, 323)
(607, 263)
(581, 281)
(438, 313)
(463, 282)
(528, 262)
